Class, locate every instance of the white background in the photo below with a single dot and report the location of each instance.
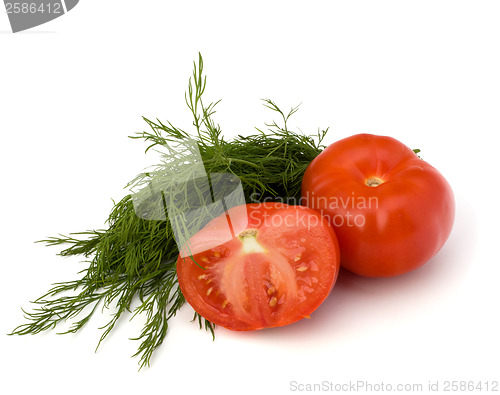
(72, 90)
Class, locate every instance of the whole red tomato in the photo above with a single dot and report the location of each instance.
(391, 210)
(259, 266)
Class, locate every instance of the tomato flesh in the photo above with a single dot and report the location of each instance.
(391, 211)
(278, 268)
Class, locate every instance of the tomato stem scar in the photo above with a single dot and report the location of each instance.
(250, 244)
(248, 233)
(374, 181)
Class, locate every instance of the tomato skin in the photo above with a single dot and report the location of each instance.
(387, 229)
(278, 275)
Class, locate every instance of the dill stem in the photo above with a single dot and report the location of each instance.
(244, 162)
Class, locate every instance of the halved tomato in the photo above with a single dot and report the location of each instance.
(279, 265)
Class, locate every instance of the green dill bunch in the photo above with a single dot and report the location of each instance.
(269, 164)
(132, 263)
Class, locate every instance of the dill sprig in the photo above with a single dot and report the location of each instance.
(133, 261)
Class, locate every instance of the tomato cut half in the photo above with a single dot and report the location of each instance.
(278, 267)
